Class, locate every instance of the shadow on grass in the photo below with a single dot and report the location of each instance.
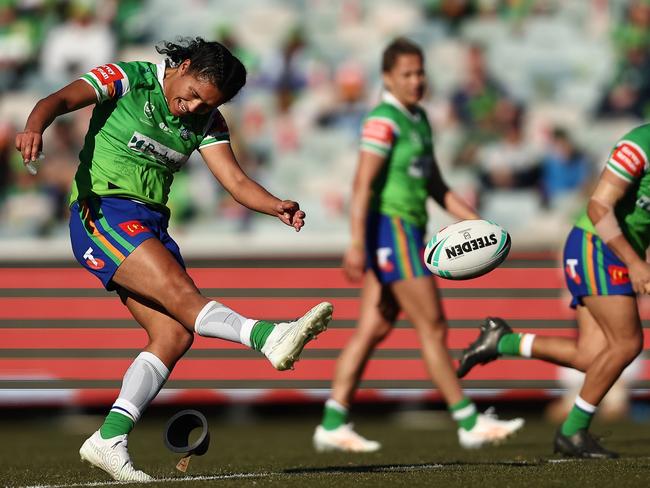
(397, 468)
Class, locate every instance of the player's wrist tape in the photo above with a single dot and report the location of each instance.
(607, 227)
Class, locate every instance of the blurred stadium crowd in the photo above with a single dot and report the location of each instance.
(526, 98)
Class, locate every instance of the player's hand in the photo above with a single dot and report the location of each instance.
(289, 212)
(639, 273)
(354, 263)
(29, 144)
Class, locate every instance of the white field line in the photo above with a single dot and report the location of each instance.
(262, 474)
(305, 472)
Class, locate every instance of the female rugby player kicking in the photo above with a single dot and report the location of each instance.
(605, 267)
(396, 174)
(147, 121)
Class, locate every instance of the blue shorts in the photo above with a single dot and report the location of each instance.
(104, 231)
(394, 248)
(591, 268)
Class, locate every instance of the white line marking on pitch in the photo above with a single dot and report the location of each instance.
(161, 480)
(263, 474)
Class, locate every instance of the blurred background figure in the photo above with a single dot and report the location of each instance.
(17, 44)
(348, 106)
(81, 41)
(628, 92)
(565, 170)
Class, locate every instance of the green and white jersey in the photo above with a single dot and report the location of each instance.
(628, 160)
(134, 144)
(404, 138)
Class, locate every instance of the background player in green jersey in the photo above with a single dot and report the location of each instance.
(605, 268)
(147, 120)
(395, 175)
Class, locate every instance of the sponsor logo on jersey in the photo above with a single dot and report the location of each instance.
(91, 261)
(618, 274)
(472, 245)
(112, 78)
(570, 270)
(148, 109)
(383, 259)
(629, 157)
(421, 167)
(107, 73)
(133, 227)
(163, 154)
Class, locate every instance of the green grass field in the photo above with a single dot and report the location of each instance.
(275, 450)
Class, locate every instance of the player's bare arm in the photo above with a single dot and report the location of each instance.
(224, 166)
(355, 257)
(609, 190)
(74, 96)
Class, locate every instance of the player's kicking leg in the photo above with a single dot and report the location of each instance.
(286, 340)
(171, 286)
(280, 342)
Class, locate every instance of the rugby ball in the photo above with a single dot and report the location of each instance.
(467, 249)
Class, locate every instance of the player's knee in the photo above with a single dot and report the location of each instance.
(178, 293)
(586, 356)
(583, 362)
(381, 333)
(628, 348)
(185, 340)
(375, 335)
(175, 340)
(434, 330)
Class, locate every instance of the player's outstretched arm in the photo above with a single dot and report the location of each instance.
(72, 97)
(224, 166)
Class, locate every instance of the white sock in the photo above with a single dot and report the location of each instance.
(217, 320)
(585, 406)
(331, 403)
(526, 345)
(142, 382)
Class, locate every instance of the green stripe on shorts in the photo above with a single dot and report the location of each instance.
(585, 266)
(94, 238)
(602, 279)
(416, 259)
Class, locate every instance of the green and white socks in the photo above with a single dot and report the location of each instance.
(334, 415)
(579, 417)
(217, 320)
(142, 382)
(515, 344)
(464, 413)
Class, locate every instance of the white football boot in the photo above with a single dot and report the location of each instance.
(343, 438)
(112, 456)
(489, 430)
(287, 339)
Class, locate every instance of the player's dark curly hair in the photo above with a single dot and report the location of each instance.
(396, 48)
(209, 61)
